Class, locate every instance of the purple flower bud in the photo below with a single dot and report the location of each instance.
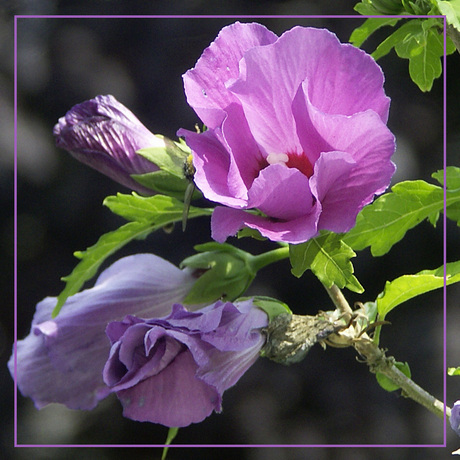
(296, 128)
(62, 358)
(455, 417)
(174, 370)
(105, 135)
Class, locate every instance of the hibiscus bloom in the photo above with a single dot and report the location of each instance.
(103, 134)
(296, 128)
(174, 370)
(62, 358)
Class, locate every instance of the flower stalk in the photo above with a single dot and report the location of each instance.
(267, 258)
(378, 362)
(357, 337)
(340, 301)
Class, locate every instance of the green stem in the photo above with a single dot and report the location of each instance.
(267, 258)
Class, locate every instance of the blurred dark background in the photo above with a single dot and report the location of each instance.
(329, 398)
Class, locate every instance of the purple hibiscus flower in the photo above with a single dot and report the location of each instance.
(296, 128)
(455, 417)
(61, 360)
(174, 370)
(105, 135)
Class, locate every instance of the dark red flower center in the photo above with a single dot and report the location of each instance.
(292, 160)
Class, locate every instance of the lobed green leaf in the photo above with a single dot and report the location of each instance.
(407, 287)
(404, 32)
(423, 48)
(452, 177)
(328, 257)
(92, 258)
(146, 214)
(379, 7)
(383, 223)
(361, 33)
(420, 41)
(158, 209)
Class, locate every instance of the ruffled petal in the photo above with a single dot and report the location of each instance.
(204, 320)
(71, 349)
(224, 369)
(344, 80)
(273, 191)
(206, 84)
(184, 358)
(340, 206)
(236, 330)
(226, 222)
(174, 397)
(38, 377)
(212, 162)
(246, 158)
(294, 99)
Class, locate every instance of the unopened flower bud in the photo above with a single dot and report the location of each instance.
(103, 134)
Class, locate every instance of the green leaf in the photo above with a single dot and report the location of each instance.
(451, 10)
(158, 209)
(365, 9)
(383, 223)
(453, 371)
(420, 41)
(380, 7)
(92, 258)
(328, 257)
(419, 7)
(361, 33)
(404, 32)
(407, 287)
(452, 177)
(146, 214)
(423, 48)
(388, 384)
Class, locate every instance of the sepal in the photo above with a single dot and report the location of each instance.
(172, 179)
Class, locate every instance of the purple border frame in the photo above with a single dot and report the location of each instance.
(16, 17)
